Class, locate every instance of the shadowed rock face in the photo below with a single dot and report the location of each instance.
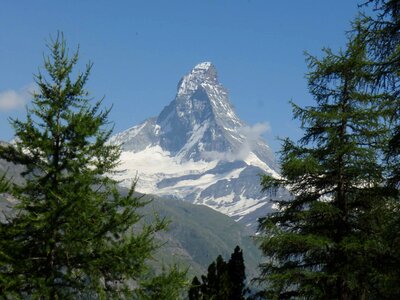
(200, 126)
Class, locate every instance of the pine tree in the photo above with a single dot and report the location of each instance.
(320, 244)
(212, 280)
(4, 184)
(224, 280)
(195, 289)
(73, 236)
(381, 34)
(166, 286)
(237, 275)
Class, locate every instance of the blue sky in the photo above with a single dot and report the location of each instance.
(140, 50)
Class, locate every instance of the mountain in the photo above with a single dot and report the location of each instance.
(12, 171)
(197, 149)
(195, 237)
(197, 234)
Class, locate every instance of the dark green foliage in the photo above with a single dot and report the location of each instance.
(195, 289)
(4, 184)
(338, 237)
(73, 235)
(224, 280)
(237, 276)
(382, 39)
(326, 242)
(167, 286)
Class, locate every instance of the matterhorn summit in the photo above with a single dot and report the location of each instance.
(198, 150)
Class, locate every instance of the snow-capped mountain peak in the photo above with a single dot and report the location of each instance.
(202, 96)
(199, 150)
(201, 73)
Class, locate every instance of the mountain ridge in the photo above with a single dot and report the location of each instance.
(198, 149)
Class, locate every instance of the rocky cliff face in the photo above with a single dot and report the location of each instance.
(198, 150)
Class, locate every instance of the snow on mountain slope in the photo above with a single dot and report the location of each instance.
(198, 150)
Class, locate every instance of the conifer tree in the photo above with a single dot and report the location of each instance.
(166, 286)
(72, 236)
(380, 31)
(320, 243)
(212, 280)
(4, 184)
(237, 275)
(195, 289)
(381, 35)
(224, 280)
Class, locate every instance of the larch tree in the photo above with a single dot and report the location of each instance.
(325, 241)
(4, 183)
(73, 233)
(381, 32)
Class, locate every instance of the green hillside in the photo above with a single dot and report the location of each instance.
(196, 234)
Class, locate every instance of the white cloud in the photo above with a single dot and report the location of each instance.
(15, 99)
(215, 155)
(253, 133)
(250, 135)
